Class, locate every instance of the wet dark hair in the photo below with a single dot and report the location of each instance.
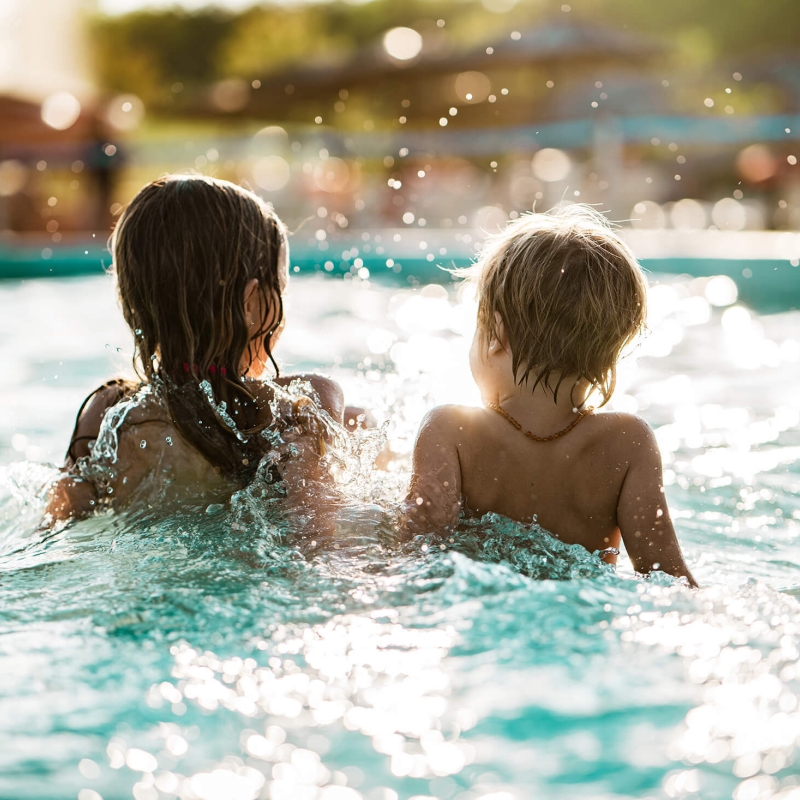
(184, 251)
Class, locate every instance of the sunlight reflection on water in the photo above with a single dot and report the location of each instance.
(177, 659)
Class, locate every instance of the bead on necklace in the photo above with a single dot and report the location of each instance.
(581, 415)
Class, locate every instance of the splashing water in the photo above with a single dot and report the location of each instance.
(223, 652)
(221, 410)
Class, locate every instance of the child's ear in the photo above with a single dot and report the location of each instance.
(252, 303)
(499, 340)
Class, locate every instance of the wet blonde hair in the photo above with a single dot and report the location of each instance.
(570, 293)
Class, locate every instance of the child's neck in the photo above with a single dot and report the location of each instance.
(540, 406)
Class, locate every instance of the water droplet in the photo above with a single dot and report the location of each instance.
(169, 441)
(143, 444)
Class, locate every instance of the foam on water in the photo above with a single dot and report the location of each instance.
(225, 652)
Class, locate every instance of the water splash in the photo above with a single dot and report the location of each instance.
(221, 410)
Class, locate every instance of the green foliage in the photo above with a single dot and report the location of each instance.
(263, 41)
(730, 28)
(147, 51)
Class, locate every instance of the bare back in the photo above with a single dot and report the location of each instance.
(596, 485)
(127, 449)
(570, 485)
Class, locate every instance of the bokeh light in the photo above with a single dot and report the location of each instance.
(230, 95)
(490, 219)
(125, 112)
(13, 175)
(721, 291)
(729, 214)
(61, 110)
(402, 44)
(272, 138)
(756, 163)
(551, 165)
(271, 173)
(472, 86)
(688, 215)
(648, 215)
(332, 174)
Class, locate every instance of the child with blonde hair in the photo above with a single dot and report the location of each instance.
(560, 297)
(201, 267)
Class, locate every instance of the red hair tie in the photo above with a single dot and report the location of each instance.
(212, 368)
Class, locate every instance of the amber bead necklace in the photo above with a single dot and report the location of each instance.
(581, 415)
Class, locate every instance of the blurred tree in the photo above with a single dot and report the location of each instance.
(148, 51)
(729, 28)
(263, 40)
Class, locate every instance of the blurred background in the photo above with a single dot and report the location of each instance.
(680, 119)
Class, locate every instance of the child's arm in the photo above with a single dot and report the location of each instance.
(70, 497)
(433, 501)
(642, 512)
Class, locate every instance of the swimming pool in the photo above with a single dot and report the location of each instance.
(215, 655)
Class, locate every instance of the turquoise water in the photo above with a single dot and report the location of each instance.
(220, 654)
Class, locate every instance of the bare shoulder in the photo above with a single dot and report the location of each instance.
(152, 455)
(449, 419)
(622, 424)
(91, 413)
(331, 396)
(329, 391)
(628, 434)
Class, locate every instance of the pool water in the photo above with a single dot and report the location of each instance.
(220, 654)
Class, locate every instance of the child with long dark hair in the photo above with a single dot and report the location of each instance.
(201, 266)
